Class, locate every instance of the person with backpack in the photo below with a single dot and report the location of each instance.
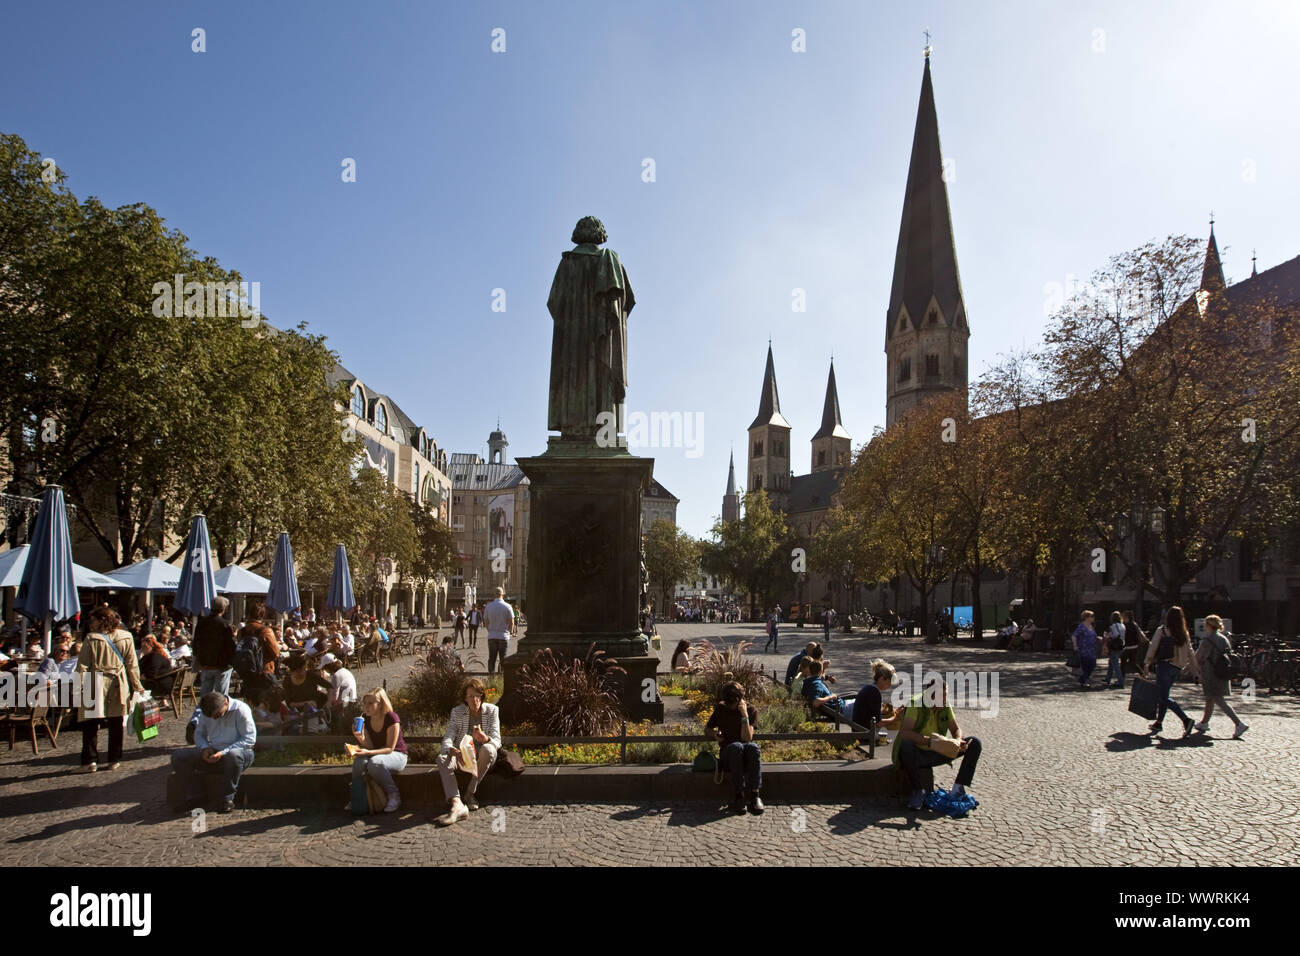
(256, 655)
(1215, 659)
(1171, 652)
(1115, 639)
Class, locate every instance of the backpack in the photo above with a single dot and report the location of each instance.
(1223, 662)
(248, 656)
(1116, 643)
(1165, 651)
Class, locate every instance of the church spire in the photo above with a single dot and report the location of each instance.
(1212, 274)
(925, 262)
(731, 474)
(769, 402)
(1253, 271)
(832, 426)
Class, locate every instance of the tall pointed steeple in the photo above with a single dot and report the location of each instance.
(731, 500)
(1212, 275)
(832, 444)
(769, 402)
(731, 475)
(926, 331)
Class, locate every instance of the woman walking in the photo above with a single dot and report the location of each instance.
(1084, 639)
(1212, 658)
(771, 632)
(108, 653)
(1115, 650)
(1171, 652)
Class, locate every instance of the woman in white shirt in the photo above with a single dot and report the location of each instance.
(482, 722)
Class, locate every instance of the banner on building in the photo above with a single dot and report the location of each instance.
(379, 457)
(501, 524)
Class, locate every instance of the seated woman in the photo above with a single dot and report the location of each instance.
(270, 712)
(383, 750)
(681, 661)
(482, 722)
(304, 691)
(156, 667)
(869, 705)
(732, 724)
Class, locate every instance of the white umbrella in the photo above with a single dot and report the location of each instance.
(149, 575)
(14, 560)
(236, 580)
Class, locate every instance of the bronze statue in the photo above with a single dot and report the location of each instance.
(589, 302)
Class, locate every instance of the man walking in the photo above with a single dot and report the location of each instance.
(500, 624)
(475, 619)
(223, 744)
(828, 621)
(214, 649)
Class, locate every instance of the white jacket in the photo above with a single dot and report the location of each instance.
(458, 726)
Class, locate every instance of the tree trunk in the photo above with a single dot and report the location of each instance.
(927, 617)
(977, 612)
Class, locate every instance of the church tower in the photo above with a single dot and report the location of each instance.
(926, 334)
(731, 500)
(831, 446)
(497, 445)
(769, 443)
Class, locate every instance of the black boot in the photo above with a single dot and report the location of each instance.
(738, 804)
(755, 803)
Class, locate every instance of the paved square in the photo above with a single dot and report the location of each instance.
(1067, 777)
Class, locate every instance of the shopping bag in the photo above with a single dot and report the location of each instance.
(467, 756)
(145, 717)
(945, 746)
(1144, 698)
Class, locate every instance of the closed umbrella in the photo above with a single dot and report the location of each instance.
(197, 588)
(48, 591)
(282, 596)
(340, 594)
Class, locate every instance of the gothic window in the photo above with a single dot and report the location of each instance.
(758, 449)
(902, 323)
(821, 458)
(905, 370)
(757, 482)
(934, 316)
(931, 366)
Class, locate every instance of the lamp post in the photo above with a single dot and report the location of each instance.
(1139, 521)
(799, 579)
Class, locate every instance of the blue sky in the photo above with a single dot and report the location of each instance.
(775, 170)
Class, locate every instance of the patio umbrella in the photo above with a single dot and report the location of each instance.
(149, 575)
(14, 560)
(232, 579)
(47, 591)
(340, 594)
(282, 596)
(197, 588)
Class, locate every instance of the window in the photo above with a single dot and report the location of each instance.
(358, 403)
(932, 366)
(480, 522)
(758, 449)
(934, 316)
(381, 418)
(757, 482)
(902, 323)
(821, 458)
(905, 370)
(1246, 561)
(959, 372)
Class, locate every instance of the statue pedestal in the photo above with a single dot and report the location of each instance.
(584, 565)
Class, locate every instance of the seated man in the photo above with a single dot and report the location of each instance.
(813, 650)
(343, 702)
(732, 723)
(869, 705)
(223, 744)
(912, 745)
(817, 693)
(347, 643)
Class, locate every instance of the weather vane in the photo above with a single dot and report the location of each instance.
(928, 48)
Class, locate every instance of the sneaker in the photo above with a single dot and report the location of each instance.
(457, 812)
(756, 804)
(917, 800)
(471, 804)
(394, 801)
(115, 765)
(1188, 724)
(1201, 727)
(957, 790)
(86, 768)
(1241, 729)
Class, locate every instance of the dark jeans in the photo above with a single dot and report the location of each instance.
(90, 727)
(1116, 668)
(746, 768)
(473, 635)
(497, 648)
(771, 640)
(1165, 674)
(912, 759)
(826, 633)
(1087, 664)
(189, 765)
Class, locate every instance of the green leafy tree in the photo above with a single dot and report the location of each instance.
(743, 550)
(671, 555)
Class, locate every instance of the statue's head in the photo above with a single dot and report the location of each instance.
(589, 230)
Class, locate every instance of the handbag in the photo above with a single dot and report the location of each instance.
(1144, 698)
(945, 746)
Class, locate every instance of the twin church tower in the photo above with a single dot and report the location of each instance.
(926, 337)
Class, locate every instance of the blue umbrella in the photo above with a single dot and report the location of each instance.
(197, 587)
(282, 596)
(48, 591)
(340, 593)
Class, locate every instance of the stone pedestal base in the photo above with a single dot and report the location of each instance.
(584, 566)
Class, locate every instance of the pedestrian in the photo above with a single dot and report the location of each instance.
(214, 649)
(1115, 640)
(475, 619)
(771, 632)
(1084, 640)
(1171, 652)
(109, 652)
(500, 618)
(459, 627)
(828, 621)
(1135, 643)
(1216, 675)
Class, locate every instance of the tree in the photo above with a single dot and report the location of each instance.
(435, 552)
(671, 555)
(744, 549)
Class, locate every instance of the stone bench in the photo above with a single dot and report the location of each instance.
(812, 782)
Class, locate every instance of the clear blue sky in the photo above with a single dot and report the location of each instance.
(775, 170)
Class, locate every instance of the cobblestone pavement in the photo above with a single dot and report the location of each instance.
(1067, 777)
